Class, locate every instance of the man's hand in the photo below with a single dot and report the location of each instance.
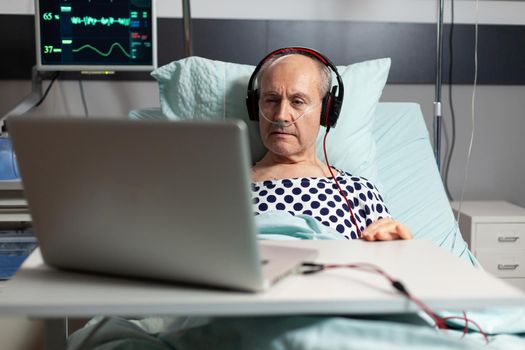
(386, 229)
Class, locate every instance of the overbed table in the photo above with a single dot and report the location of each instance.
(429, 273)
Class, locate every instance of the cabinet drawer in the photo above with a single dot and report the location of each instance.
(500, 236)
(507, 264)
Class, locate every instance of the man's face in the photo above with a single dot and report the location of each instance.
(290, 89)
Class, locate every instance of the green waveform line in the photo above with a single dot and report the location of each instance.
(87, 46)
(87, 20)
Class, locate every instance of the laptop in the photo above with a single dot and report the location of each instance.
(152, 199)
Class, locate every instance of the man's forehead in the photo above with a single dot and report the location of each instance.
(292, 68)
(294, 59)
(295, 72)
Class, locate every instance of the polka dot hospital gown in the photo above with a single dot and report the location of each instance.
(320, 198)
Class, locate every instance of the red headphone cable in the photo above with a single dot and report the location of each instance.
(440, 322)
(352, 217)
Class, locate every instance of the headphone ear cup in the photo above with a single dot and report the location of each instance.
(325, 109)
(331, 108)
(252, 104)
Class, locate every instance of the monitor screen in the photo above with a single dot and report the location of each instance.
(95, 35)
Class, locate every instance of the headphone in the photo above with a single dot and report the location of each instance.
(331, 106)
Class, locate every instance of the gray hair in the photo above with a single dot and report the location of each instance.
(325, 72)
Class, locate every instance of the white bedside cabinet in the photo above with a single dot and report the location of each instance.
(495, 233)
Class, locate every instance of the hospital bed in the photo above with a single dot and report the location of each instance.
(391, 147)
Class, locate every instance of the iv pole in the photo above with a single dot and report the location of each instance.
(438, 113)
(186, 17)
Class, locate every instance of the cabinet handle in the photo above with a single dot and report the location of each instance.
(508, 239)
(508, 266)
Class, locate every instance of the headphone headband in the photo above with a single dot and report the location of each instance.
(331, 103)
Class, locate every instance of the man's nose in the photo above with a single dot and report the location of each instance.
(283, 112)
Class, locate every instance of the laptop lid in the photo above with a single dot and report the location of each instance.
(163, 200)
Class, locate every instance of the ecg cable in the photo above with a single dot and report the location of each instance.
(472, 121)
(309, 268)
(452, 145)
(47, 89)
(83, 97)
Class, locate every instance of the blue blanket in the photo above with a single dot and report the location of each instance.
(282, 225)
(290, 333)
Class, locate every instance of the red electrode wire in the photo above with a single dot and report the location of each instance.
(311, 268)
(467, 320)
(440, 323)
(465, 330)
(359, 234)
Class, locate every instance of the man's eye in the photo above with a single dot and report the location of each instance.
(298, 102)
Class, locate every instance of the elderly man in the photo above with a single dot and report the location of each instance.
(290, 177)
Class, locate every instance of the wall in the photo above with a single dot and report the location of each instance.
(496, 165)
(103, 99)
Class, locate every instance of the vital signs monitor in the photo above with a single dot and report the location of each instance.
(95, 35)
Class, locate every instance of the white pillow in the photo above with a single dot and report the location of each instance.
(199, 88)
